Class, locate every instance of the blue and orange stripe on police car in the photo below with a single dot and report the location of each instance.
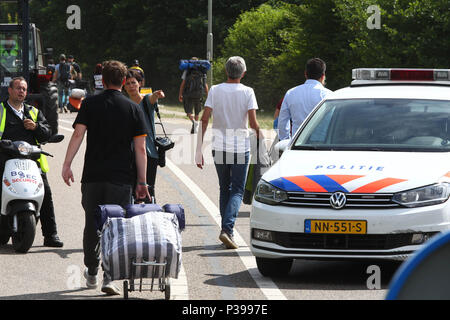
(330, 183)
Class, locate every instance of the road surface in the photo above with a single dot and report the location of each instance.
(209, 271)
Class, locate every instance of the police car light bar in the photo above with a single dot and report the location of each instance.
(401, 74)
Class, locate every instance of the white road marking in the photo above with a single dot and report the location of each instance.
(267, 286)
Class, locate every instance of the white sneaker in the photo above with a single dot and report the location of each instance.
(91, 281)
(195, 126)
(109, 288)
(228, 240)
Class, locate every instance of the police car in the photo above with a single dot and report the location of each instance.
(366, 176)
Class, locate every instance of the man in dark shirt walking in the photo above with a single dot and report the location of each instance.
(112, 123)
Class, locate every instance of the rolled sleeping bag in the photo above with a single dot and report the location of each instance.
(105, 211)
(202, 65)
(178, 210)
(133, 210)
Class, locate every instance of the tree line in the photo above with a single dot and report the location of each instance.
(274, 37)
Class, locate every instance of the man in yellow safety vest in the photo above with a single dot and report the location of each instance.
(19, 121)
(9, 51)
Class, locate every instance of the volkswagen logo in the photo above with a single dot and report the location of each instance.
(338, 200)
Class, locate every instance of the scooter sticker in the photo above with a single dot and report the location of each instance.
(29, 180)
(23, 177)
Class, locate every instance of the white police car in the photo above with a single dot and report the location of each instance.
(366, 176)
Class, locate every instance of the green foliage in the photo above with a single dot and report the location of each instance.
(276, 38)
(157, 33)
(261, 36)
(413, 33)
(9, 12)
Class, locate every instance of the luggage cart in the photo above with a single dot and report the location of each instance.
(163, 282)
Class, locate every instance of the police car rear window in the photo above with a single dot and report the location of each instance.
(378, 124)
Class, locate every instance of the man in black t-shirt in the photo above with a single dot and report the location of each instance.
(113, 123)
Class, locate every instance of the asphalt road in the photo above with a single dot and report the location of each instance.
(210, 272)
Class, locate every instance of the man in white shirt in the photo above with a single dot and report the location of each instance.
(232, 106)
(299, 101)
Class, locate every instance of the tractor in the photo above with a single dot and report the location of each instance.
(22, 54)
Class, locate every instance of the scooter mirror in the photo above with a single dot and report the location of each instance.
(56, 138)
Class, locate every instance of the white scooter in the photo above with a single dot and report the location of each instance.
(22, 193)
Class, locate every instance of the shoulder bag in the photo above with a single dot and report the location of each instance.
(162, 143)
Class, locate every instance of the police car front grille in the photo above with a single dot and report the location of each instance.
(342, 241)
(356, 200)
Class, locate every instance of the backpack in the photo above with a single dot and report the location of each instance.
(64, 72)
(195, 84)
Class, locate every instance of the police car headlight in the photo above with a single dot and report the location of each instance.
(268, 194)
(425, 196)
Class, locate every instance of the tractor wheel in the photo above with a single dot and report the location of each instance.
(49, 92)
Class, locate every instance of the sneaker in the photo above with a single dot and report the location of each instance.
(53, 241)
(228, 240)
(109, 288)
(91, 281)
(65, 109)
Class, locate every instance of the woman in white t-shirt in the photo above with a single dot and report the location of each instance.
(232, 106)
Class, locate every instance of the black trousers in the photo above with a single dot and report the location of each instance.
(94, 194)
(47, 214)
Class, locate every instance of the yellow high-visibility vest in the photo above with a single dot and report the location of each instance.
(34, 115)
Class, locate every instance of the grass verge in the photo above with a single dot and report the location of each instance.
(265, 119)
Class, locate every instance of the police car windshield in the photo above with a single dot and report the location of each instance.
(378, 125)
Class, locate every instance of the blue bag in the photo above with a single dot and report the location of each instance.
(202, 65)
(178, 210)
(140, 208)
(105, 211)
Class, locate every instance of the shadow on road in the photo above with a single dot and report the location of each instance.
(63, 253)
(338, 275)
(318, 275)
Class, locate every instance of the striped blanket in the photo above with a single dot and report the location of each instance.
(153, 236)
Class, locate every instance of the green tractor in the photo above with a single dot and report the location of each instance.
(22, 54)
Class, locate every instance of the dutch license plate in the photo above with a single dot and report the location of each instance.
(336, 226)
